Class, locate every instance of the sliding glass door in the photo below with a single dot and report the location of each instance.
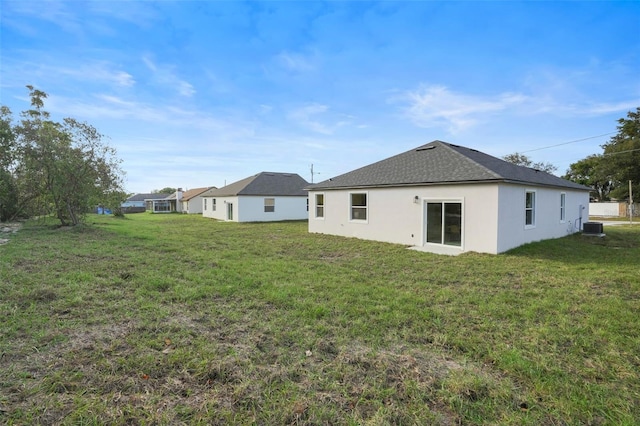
(444, 223)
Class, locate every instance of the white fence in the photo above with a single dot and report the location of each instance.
(612, 209)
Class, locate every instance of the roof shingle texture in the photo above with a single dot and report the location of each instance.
(142, 197)
(264, 184)
(187, 195)
(441, 163)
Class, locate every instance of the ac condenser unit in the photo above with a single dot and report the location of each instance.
(593, 228)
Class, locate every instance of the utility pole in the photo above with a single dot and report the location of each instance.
(312, 173)
(630, 204)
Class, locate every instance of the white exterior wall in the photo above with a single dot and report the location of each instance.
(221, 208)
(493, 215)
(514, 233)
(193, 205)
(394, 216)
(251, 208)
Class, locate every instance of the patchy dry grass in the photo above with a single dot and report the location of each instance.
(181, 320)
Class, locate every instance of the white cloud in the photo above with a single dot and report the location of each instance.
(101, 72)
(305, 117)
(295, 61)
(108, 107)
(165, 76)
(56, 12)
(435, 106)
(264, 109)
(607, 108)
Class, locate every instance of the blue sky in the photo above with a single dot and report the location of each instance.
(203, 93)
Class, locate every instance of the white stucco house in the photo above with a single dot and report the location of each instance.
(448, 199)
(264, 197)
(191, 200)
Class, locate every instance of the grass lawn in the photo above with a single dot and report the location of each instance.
(175, 319)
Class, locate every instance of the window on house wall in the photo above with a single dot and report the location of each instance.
(530, 209)
(563, 210)
(319, 205)
(359, 206)
(269, 205)
(162, 206)
(213, 204)
(205, 203)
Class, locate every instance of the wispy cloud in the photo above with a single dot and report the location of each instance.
(94, 72)
(607, 108)
(295, 61)
(306, 117)
(437, 106)
(55, 12)
(165, 76)
(110, 107)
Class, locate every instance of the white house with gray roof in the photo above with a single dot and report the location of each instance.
(265, 197)
(448, 199)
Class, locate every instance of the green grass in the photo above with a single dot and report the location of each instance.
(172, 319)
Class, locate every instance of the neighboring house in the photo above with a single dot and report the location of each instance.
(448, 199)
(192, 200)
(137, 202)
(169, 204)
(263, 197)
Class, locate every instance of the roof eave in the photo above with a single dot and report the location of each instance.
(461, 182)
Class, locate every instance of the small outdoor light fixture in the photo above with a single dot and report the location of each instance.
(415, 199)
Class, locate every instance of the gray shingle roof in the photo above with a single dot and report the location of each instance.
(191, 193)
(142, 197)
(263, 184)
(441, 163)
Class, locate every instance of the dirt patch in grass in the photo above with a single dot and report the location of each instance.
(168, 378)
(132, 324)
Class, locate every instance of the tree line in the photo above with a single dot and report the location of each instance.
(65, 169)
(607, 174)
(55, 168)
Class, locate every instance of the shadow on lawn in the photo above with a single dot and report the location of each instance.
(620, 246)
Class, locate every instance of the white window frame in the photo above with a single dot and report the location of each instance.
(563, 207)
(461, 201)
(316, 205)
(532, 209)
(213, 204)
(270, 205)
(365, 207)
(204, 201)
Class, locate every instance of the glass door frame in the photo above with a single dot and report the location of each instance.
(425, 224)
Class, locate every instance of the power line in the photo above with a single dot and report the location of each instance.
(567, 143)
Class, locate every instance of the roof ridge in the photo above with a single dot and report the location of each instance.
(439, 162)
(453, 147)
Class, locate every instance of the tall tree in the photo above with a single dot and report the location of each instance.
(63, 168)
(621, 157)
(590, 172)
(8, 187)
(522, 160)
(166, 190)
